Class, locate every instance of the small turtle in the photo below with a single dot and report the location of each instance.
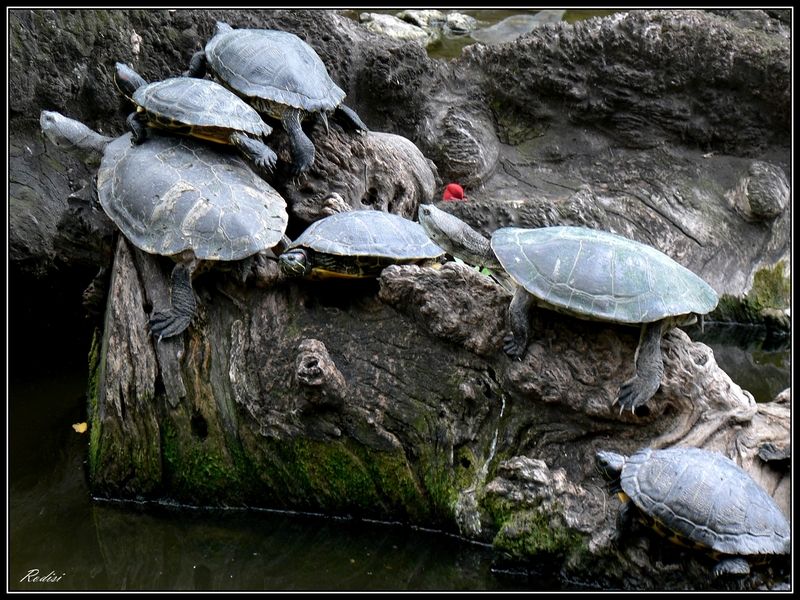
(177, 197)
(700, 499)
(589, 274)
(357, 244)
(280, 75)
(197, 107)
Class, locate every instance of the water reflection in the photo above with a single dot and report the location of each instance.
(758, 361)
(233, 550)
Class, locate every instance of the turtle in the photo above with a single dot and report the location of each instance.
(357, 244)
(200, 108)
(700, 499)
(177, 197)
(589, 274)
(280, 75)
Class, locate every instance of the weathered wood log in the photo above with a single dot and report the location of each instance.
(393, 400)
(381, 171)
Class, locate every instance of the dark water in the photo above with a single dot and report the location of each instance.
(760, 362)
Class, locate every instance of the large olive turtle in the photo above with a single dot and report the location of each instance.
(357, 244)
(177, 197)
(280, 75)
(589, 274)
(197, 107)
(701, 499)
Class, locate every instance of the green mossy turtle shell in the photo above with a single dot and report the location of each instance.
(600, 275)
(705, 497)
(276, 66)
(174, 193)
(200, 103)
(369, 233)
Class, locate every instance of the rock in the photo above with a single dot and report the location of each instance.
(763, 193)
(466, 143)
(459, 24)
(396, 28)
(376, 170)
(440, 22)
(779, 457)
(425, 19)
(455, 303)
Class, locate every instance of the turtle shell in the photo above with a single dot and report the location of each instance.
(201, 104)
(599, 275)
(276, 66)
(705, 497)
(369, 233)
(174, 194)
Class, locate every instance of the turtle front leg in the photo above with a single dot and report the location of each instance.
(138, 127)
(515, 343)
(350, 118)
(649, 368)
(302, 147)
(626, 521)
(181, 311)
(259, 153)
(197, 66)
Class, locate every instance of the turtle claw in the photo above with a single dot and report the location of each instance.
(633, 394)
(267, 163)
(300, 165)
(168, 324)
(512, 347)
(263, 157)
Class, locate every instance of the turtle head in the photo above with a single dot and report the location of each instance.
(57, 128)
(69, 134)
(443, 228)
(127, 80)
(455, 236)
(295, 263)
(609, 464)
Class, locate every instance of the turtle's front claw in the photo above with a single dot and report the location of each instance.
(267, 163)
(633, 394)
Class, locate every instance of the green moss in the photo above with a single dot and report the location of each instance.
(198, 471)
(770, 293)
(95, 368)
(771, 288)
(342, 476)
(530, 532)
